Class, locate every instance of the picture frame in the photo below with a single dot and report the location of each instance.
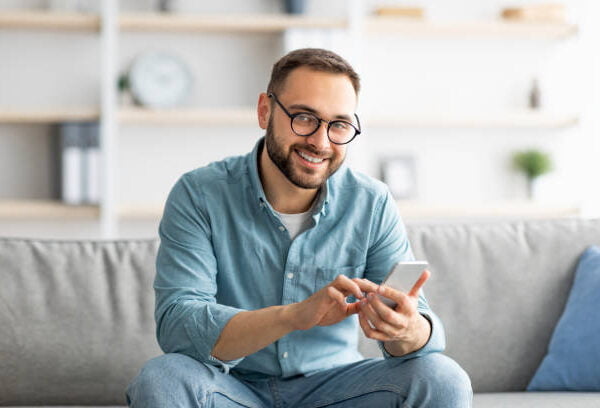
(400, 175)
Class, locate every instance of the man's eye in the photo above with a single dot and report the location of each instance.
(304, 118)
(340, 125)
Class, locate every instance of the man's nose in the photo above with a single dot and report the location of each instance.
(319, 139)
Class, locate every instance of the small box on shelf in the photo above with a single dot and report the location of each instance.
(400, 11)
(547, 13)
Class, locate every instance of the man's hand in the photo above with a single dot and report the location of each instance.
(403, 328)
(328, 306)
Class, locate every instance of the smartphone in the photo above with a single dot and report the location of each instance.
(403, 277)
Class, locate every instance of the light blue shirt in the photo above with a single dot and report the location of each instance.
(224, 250)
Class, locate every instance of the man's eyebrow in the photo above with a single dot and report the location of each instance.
(307, 108)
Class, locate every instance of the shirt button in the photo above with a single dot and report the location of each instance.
(281, 228)
(290, 275)
(285, 355)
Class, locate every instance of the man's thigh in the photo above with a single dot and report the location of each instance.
(433, 381)
(176, 380)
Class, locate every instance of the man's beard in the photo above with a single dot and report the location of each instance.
(285, 163)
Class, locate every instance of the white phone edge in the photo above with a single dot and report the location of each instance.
(421, 265)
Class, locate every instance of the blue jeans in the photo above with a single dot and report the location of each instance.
(176, 380)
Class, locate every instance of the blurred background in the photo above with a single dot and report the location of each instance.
(470, 109)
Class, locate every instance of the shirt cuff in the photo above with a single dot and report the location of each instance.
(205, 327)
(435, 344)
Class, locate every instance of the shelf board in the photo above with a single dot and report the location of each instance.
(259, 23)
(45, 20)
(140, 211)
(509, 209)
(247, 116)
(493, 28)
(265, 23)
(46, 209)
(515, 119)
(188, 116)
(55, 115)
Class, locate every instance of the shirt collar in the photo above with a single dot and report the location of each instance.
(260, 199)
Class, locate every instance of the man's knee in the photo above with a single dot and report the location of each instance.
(169, 374)
(444, 378)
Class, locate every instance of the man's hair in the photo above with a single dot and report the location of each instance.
(314, 58)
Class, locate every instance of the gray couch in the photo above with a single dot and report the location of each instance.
(76, 318)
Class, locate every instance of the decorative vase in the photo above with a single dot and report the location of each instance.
(295, 6)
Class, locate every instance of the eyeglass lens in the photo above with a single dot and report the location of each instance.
(305, 124)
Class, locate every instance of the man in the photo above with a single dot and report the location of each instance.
(259, 255)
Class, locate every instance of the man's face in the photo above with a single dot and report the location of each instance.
(308, 161)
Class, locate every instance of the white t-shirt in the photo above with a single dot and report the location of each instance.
(296, 224)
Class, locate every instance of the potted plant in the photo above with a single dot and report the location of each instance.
(533, 163)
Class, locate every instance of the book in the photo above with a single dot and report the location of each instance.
(71, 163)
(91, 163)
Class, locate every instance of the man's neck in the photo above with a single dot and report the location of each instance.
(283, 195)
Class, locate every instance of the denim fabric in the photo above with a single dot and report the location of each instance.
(224, 249)
(175, 380)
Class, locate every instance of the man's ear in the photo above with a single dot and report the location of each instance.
(263, 110)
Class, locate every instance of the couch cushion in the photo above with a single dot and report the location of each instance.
(573, 359)
(537, 400)
(500, 288)
(76, 319)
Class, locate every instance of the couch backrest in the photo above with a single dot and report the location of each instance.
(76, 318)
(500, 288)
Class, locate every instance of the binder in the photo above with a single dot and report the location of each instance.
(71, 163)
(80, 163)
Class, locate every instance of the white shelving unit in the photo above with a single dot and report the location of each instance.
(109, 25)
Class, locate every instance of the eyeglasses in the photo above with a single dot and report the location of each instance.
(339, 132)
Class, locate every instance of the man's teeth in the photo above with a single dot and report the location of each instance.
(309, 158)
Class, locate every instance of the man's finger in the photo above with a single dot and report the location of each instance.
(370, 332)
(337, 296)
(383, 322)
(347, 285)
(352, 308)
(414, 292)
(395, 295)
(384, 312)
(366, 285)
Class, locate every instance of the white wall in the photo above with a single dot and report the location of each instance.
(399, 75)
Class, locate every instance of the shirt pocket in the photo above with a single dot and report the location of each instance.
(324, 276)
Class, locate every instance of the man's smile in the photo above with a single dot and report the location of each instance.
(309, 159)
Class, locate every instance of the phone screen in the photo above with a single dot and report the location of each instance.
(403, 277)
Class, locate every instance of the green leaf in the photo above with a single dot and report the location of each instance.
(533, 163)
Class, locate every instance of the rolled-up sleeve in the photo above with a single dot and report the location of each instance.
(188, 319)
(389, 245)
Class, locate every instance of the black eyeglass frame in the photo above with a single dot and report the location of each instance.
(292, 116)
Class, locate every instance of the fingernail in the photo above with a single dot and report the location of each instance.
(370, 296)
